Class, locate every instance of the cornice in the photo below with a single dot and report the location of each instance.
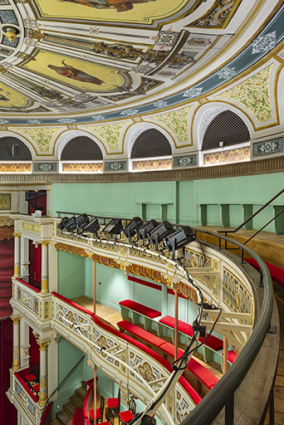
(264, 166)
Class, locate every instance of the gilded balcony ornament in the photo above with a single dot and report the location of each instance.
(11, 33)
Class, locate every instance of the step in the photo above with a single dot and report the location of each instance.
(63, 417)
(70, 409)
(80, 392)
(76, 401)
(55, 422)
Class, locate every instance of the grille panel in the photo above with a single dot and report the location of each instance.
(12, 149)
(81, 148)
(227, 127)
(151, 143)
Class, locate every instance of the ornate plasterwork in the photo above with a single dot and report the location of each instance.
(15, 168)
(71, 249)
(153, 164)
(177, 122)
(42, 137)
(82, 168)
(5, 201)
(254, 94)
(109, 134)
(232, 155)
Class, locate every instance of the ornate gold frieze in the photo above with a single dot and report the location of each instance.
(71, 249)
(109, 262)
(186, 291)
(35, 228)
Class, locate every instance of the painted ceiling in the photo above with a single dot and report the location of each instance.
(80, 61)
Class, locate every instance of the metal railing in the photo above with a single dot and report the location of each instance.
(226, 232)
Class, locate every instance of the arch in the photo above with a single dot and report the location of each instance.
(137, 129)
(21, 138)
(226, 128)
(68, 135)
(81, 148)
(144, 147)
(14, 149)
(205, 114)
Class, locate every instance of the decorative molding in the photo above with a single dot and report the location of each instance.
(5, 201)
(82, 167)
(71, 249)
(185, 161)
(45, 167)
(261, 166)
(115, 167)
(224, 156)
(152, 164)
(268, 147)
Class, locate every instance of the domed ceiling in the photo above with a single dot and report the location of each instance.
(65, 61)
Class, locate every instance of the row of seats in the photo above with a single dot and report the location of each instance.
(200, 377)
(212, 349)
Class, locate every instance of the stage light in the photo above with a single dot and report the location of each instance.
(114, 227)
(70, 225)
(82, 221)
(160, 232)
(93, 226)
(132, 227)
(62, 223)
(179, 239)
(147, 228)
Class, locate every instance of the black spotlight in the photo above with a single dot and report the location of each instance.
(81, 221)
(179, 239)
(132, 227)
(62, 223)
(160, 232)
(71, 224)
(114, 227)
(147, 228)
(93, 226)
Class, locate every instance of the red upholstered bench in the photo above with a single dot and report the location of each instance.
(213, 342)
(277, 274)
(140, 308)
(231, 356)
(141, 333)
(182, 326)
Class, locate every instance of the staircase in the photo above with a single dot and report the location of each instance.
(76, 400)
(6, 272)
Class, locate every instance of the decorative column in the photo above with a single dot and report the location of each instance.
(16, 343)
(94, 287)
(44, 267)
(17, 254)
(43, 373)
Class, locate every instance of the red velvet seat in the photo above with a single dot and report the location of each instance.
(140, 308)
(213, 342)
(30, 377)
(99, 412)
(141, 333)
(231, 356)
(36, 388)
(182, 326)
(113, 405)
(128, 415)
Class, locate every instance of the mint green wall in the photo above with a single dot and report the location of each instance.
(71, 275)
(88, 277)
(123, 199)
(68, 356)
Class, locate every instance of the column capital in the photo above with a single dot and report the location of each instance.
(17, 235)
(44, 243)
(15, 320)
(43, 345)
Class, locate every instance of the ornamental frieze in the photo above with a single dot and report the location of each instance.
(105, 261)
(71, 249)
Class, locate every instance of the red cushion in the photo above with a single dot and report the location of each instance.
(126, 416)
(169, 349)
(277, 274)
(204, 375)
(182, 326)
(112, 403)
(30, 377)
(231, 356)
(140, 333)
(140, 308)
(213, 342)
(98, 414)
(36, 388)
(193, 394)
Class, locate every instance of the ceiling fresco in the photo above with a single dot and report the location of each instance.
(93, 60)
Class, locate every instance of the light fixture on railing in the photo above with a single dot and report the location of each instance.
(179, 239)
(160, 232)
(114, 227)
(132, 227)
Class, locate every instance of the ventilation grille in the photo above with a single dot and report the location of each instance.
(151, 143)
(12, 149)
(81, 148)
(226, 127)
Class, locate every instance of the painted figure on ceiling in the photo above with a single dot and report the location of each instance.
(75, 74)
(119, 5)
